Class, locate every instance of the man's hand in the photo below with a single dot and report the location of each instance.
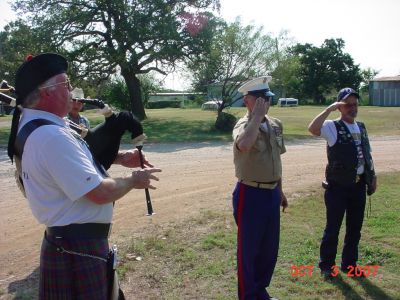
(259, 110)
(246, 139)
(335, 105)
(131, 159)
(316, 124)
(284, 202)
(142, 178)
(374, 185)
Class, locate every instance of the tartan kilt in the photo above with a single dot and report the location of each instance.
(69, 276)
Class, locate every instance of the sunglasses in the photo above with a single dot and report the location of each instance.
(66, 83)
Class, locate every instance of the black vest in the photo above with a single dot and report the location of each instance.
(342, 156)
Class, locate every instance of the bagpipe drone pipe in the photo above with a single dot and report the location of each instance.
(4, 87)
(104, 140)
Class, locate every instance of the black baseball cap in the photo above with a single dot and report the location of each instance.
(346, 92)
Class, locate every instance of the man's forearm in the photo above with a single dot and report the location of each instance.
(315, 126)
(118, 159)
(111, 189)
(247, 139)
(280, 185)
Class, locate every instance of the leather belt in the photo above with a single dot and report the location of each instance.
(80, 231)
(260, 185)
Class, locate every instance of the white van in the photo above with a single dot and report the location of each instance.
(288, 102)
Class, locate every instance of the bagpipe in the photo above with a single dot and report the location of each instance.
(4, 87)
(103, 140)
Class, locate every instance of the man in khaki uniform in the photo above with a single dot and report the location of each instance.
(258, 145)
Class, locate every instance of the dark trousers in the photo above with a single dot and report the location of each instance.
(338, 201)
(257, 214)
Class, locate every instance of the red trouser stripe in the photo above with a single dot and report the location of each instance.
(240, 258)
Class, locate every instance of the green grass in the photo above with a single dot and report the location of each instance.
(196, 259)
(186, 125)
(191, 125)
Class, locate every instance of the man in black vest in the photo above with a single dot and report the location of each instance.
(349, 176)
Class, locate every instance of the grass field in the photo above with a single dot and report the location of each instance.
(196, 258)
(186, 125)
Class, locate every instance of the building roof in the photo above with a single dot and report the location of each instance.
(392, 78)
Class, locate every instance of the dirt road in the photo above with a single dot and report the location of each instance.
(195, 177)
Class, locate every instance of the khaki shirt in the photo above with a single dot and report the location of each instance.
(263, 162)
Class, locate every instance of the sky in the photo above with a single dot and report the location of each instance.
(370, 28)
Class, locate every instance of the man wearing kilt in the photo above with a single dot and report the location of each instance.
(66, 189)
(258, 145)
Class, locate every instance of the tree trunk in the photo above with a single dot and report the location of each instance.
(220, 109)
(135, 95)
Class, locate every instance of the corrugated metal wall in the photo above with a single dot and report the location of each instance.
(384, 93)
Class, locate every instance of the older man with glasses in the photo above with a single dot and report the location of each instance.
(350, 169)
(74, 114)
(258, 145)
(66, 188)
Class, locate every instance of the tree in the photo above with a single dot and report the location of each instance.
(115, 91)
(286, 67)
(237, 53)
(367, 75)
(325, 69)
(132, 37)
(16, 42)
(286, 81)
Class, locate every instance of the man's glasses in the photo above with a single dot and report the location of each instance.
(66, 83)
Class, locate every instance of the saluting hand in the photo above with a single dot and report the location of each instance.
(335, 105)
(259, 109)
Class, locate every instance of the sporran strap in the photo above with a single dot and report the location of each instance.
(61, 249)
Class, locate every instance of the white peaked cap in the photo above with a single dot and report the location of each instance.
(256, 84)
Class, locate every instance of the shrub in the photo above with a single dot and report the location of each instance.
(164, 104)
(225, 122)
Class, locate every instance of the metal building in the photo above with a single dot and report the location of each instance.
(385, 91)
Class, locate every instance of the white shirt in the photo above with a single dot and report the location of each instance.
(264, 126)
(58, 170)
(329, 133)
